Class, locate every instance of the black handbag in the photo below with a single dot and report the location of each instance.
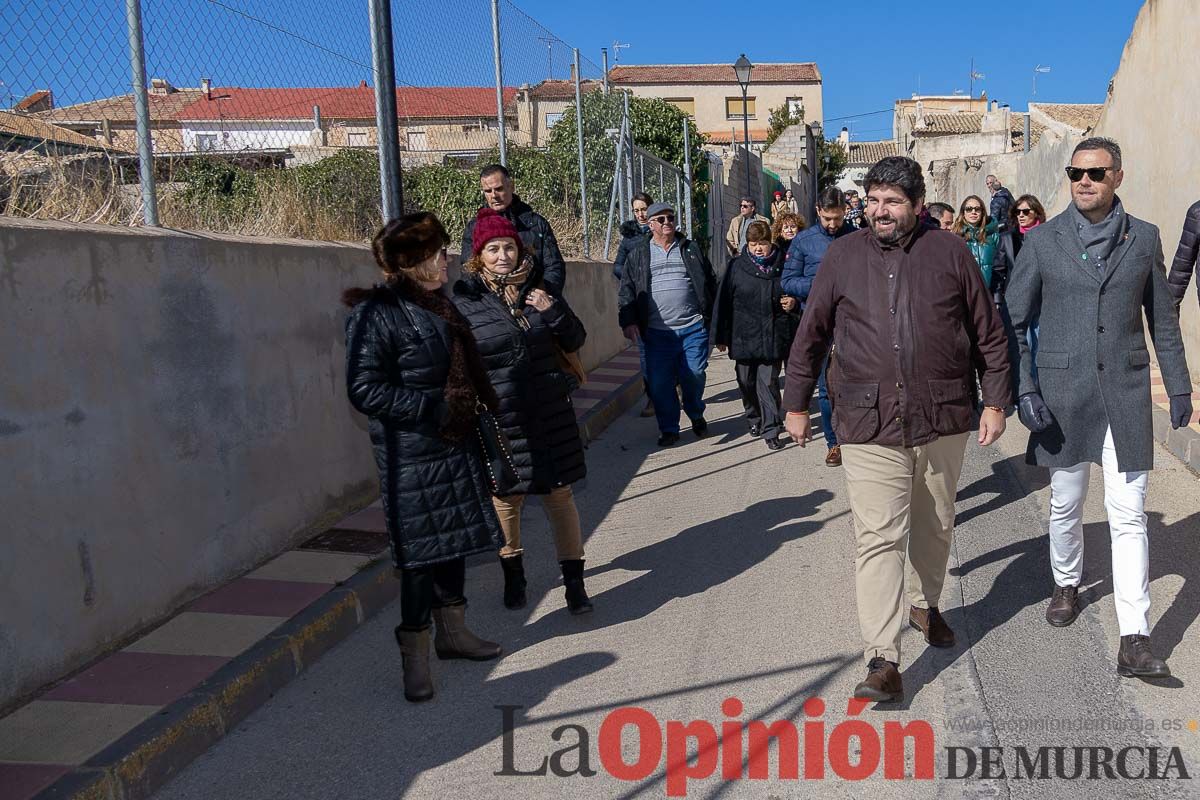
(497, 454)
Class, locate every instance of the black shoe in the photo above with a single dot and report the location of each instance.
(1135, 659)
(667, 439)
(755, 430)
(514, 581)
(775, 444)
(577, 598)
(1064, 606)
(700, 427)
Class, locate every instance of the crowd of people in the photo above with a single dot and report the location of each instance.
(912, 323)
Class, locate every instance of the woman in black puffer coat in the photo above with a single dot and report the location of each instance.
(524, 335)
(1185, 260)
(413, 368)
(753, 319)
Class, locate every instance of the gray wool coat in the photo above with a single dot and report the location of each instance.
(1093, 368)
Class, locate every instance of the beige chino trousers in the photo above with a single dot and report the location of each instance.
(902, 500)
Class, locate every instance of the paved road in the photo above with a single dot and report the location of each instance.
(722, 570)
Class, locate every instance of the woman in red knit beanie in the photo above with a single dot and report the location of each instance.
(528, 339)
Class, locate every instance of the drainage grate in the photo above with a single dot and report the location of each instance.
(337, 540)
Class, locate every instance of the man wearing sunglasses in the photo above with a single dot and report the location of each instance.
(1086, 277)
(735, 237)
(666, 302)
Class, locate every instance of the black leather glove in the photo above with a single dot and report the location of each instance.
(1034, 413)
(1181, 410)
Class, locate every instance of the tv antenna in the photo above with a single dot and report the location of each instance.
(1043, 69)
(617, 47)
(549, 40)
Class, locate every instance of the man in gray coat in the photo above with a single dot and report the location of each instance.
(1088, 274)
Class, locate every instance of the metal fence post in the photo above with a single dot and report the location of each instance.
(137, 69)
(387, 126)
(616, 189)
(687, 174)
(604, 59)
(499, 82)
(679, 199)
(583, 210)
(629, 167)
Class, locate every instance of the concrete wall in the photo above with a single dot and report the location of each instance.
(174, 414)
(1156, 124)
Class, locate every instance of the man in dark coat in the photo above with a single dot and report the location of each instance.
(1002, 201)
(912, 319)
(666, 300)
(496, 183)
(1088, 275)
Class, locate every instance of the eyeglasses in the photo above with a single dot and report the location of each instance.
(664, 219)
(1094, 173)
(973, 209)
(1023, 212)
(747, 205)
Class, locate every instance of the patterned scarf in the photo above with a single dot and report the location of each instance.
(509, 288)
(766, 264)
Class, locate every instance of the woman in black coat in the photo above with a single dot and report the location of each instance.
(527, 339)
(753, 320)
(412, 367)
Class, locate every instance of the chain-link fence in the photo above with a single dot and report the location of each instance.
(262, 118)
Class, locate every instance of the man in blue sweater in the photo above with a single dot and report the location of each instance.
(803, 260)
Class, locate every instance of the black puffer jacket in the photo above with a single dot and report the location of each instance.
(435, 496)
(631, 234)
(538, 238)
(748, 318)
(1184, 262)
(535, 409)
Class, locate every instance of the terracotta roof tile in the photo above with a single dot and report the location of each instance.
(870, 152)
(560, 89)
(945, 124)
(30, 127)
(712, 73)
(162, 107)
(1080, 116)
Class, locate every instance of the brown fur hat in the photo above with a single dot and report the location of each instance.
(408, 242)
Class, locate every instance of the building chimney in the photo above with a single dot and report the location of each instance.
(362, 84)
(995, 105)
(571, 78)
(161, 86)
(844, 137)
(206, 87)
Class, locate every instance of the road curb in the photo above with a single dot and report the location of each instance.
(1183, 443)
(146, 758)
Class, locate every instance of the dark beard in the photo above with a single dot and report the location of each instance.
(895, 237)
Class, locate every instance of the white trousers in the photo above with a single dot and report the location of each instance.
(1125, 501)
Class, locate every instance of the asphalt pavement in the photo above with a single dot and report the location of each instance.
(722, 575)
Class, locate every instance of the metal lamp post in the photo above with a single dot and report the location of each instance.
(742, 68)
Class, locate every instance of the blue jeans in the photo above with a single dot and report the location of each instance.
(676, 357)
(825, 406)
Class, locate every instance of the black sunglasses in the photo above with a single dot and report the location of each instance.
(664, 219)
(1094, 173)
(1021, 212)
(969, 209)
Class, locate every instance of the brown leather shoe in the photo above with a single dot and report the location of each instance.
(1064, 606)
(834, 457)
(883, 682)
(1135, 659)
(930, 623)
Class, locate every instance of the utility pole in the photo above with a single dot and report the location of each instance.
(549, 40)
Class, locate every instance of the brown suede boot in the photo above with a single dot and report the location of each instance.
(1064, 606)
(930, 623)
(883, 682)
(454, 640)
(414, 655)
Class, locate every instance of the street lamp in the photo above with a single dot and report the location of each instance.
(741, 68)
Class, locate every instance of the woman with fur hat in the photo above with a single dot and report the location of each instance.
(528, 339)
(413, 368)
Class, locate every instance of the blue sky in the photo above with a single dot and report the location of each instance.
(76, 47)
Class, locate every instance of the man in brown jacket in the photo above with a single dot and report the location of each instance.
(911, 319)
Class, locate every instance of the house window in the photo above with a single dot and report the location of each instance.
(417, 140)
(206, 141)
(356, 139)
(733, 108)
(795, 105)
(552, 117)
(685, 104)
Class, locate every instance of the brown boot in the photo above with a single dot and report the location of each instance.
(1135, 659)
(930, 623)
(1064, 606)
(454, 640)
(414, 654)
(834, 457)
(883, 682)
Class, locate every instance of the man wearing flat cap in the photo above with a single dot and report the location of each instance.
(666, 300)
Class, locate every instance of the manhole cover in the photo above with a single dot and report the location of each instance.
(337, 540)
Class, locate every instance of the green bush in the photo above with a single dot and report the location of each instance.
(216, 189)
(345, 185)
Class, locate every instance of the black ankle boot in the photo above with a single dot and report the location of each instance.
(514, 581)
(577, 599)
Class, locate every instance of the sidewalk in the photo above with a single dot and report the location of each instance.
(1184, 443)
(127, 723)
